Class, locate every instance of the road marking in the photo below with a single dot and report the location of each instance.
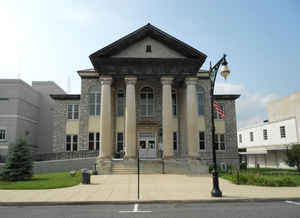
(292, 202)
(136, 210)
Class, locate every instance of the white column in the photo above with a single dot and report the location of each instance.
(130, 119)
(106, 146)
(167, 116)
(191, 116)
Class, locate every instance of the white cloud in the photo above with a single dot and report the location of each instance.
(251, 107)
(77, 15)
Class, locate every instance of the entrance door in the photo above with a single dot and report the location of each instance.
(147, 145)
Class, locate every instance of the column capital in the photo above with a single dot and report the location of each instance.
(166, 80)
(191, 80)
(130, 80)
(105, 80)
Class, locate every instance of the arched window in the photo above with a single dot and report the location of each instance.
(146, 102)
(200, 100)
(120, 102)
(94, 101)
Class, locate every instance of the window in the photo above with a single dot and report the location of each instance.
(174, 102)
(146, 102)
(200, 100)
(73, 111)
(3, 134)
(148, 48)
(265, 132)
(120, 142)
(216, 114)
(201, 141)
(175, 141)
(282, 132)
(251, 137)
(94, 101)
(71, 142)
(220, 141)
(120, 103)
(94, 141)
(240, 138)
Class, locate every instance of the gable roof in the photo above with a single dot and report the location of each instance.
(155, 33)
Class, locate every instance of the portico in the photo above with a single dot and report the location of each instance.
(147, 95)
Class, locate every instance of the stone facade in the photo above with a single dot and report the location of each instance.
(150, 58)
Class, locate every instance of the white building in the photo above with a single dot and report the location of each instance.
(265, 144)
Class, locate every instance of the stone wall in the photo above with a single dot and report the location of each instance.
(86, 85)
(60, 120)
(62, 165)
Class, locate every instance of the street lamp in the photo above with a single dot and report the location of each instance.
(216, 192)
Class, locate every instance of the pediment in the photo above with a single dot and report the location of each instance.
(163, 46)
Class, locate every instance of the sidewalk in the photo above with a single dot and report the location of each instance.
(153, 188)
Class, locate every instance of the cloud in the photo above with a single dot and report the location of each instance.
(251, 107)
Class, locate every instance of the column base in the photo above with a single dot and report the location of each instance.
(168, 157)
(104, 166)
(130, 158)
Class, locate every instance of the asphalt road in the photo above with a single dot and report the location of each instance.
(221, 210)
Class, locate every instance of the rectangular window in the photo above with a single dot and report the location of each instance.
(120, 142)
(201, 141)
(73, 111)
(174, 103)
(200, 104)
(3, 134)
(91, 141)
(282, 132)
(251, 137)
(265, 132)
(97, 141)
(175, 141)
(120, 103)
(94, 141)
(240, 138)
(220, 142)
(71, 142)
(68, 142)
(216, 114)
(94, 104)
(70, 111)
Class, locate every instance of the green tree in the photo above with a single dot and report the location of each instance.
(293, 156)
(19, 163)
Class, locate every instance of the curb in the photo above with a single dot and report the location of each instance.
(80, 203)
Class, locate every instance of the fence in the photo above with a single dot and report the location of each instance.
(65, 155)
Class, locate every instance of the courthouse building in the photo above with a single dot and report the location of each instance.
(146, 95)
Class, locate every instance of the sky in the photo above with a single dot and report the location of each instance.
(51, 40)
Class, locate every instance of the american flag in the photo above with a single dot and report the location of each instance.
(219, 110)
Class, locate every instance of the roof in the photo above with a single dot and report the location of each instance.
(227, 97)
(65, 97)
(155, 33)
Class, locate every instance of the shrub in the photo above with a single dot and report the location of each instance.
(19, 164)
(263, 180)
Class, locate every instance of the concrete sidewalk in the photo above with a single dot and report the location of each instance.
(153, 188)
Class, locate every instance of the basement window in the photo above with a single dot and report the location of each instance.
(148, 48)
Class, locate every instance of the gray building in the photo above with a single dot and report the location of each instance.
(26, 111)
(146, 97)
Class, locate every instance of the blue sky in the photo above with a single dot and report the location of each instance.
(51, 40)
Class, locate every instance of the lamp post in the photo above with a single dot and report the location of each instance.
(216, 192)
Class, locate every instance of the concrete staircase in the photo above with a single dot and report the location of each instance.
(130, 167)
(158, 166)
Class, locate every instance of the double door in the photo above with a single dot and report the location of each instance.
(147, 145)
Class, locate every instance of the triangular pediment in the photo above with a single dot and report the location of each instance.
(162, 44)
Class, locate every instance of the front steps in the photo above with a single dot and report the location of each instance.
(181, 166)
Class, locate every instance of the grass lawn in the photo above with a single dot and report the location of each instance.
(44, 181)
(265, 177)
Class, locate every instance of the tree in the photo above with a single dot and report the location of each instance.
(19, 163)
(293, 156)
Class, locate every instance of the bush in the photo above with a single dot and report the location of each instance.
(19, 164)
(263, 180)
